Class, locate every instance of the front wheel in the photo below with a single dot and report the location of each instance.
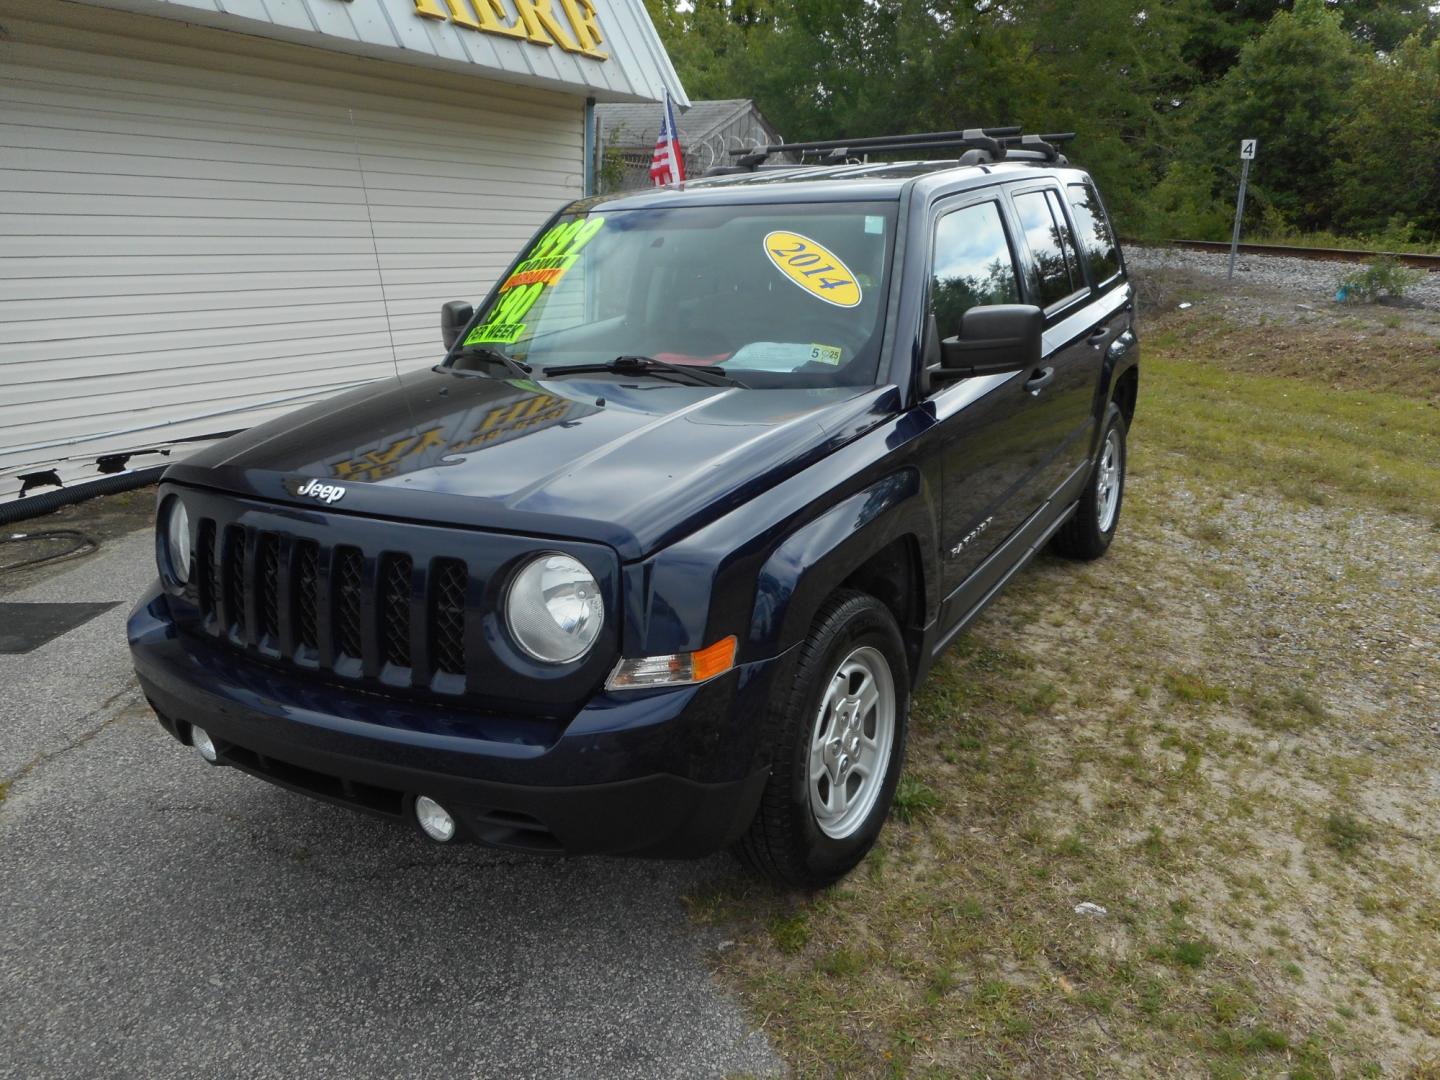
(1090, 529)
(837, 742)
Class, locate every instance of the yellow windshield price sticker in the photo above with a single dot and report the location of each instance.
(813, 267)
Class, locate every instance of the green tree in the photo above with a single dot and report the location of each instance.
(1184, 205)
(1160, 94)
(1289, 89)
(1388, 145)
(1214, 32)
(1385, 24)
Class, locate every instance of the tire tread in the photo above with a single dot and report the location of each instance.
(770, 846)
(1080, 537)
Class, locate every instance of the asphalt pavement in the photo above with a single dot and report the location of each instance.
(163, 918)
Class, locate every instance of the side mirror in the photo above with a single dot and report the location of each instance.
(994, 339)
(454, 317)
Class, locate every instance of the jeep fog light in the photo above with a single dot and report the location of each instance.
(177, 540)
(674, 669)
(203, 744)
(434, 819)
(554, 610)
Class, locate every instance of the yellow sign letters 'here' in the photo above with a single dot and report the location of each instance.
(813, 268)
(534, 21)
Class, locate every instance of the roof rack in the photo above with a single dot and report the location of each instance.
(981, 145)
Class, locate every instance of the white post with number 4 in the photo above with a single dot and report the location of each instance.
(1247, 155)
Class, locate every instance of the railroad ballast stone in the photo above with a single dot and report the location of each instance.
(1314, 280)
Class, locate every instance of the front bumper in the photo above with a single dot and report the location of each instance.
(661, 773)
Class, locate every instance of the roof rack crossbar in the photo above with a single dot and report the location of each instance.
(871, 143)
(1045, 144)
(990, 149)
(981, 146)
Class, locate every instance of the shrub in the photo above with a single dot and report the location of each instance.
(1384, 278)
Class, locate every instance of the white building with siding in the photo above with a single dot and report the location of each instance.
(213, 211)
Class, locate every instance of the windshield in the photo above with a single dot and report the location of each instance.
(779, 295)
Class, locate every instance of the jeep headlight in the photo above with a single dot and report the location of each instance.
(553, 608)
(175, 528)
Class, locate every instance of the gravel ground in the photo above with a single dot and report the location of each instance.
(1312, 279)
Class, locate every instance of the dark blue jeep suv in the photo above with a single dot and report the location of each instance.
(652, 561)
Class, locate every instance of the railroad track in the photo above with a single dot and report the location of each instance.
(1420, 262)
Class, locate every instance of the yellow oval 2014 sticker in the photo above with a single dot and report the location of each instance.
(813, 267)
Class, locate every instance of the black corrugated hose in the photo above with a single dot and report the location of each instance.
(35, 505)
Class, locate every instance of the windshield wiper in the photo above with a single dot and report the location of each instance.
(480, 352)
(704, 375)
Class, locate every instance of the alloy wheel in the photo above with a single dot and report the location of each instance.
(851, 743)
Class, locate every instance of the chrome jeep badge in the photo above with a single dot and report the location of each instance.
(326, 493)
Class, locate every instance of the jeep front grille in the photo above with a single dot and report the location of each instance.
(269, 569)
(307, 594)
(349, 579)
(447, 615)
(395, 610)
(232, 574)
(297, 600)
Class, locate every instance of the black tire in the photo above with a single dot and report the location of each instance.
(1086, 535)
(786, 842)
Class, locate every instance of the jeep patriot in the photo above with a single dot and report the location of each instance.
(652, 561)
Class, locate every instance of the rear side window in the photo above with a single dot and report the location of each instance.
(1096, 235)
(1047, 234)
(972, 265)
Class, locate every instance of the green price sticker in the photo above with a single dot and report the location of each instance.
(505, 332)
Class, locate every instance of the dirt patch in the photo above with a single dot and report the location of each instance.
(35, 549)
(1348, 353)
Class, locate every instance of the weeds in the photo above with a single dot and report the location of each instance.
(1192, 688)
(1346, 833)
(791, 933)
(1385, 278)
(914, 800)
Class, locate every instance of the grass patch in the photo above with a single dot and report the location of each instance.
(1383, 241)
(1184, 687)
(1190, 953)
(843, 964)
(914, 800)
(791, 933)
(1346, 833)
(1287, 435)
(1173, 733)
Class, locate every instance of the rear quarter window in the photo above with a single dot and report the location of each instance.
(1097, 236)
(1057, 273)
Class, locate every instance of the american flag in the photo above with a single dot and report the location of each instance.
(667, 166)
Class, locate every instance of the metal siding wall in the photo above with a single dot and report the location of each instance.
(183, 253)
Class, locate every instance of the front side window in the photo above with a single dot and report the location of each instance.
(779, 295)
(971, 265)
(1096, 235)
(1047, 234)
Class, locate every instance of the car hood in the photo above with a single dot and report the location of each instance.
(632, 463)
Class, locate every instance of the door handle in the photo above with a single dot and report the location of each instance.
(1097, 338)
(1039, 380)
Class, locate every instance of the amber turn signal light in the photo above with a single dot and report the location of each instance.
(674, 669)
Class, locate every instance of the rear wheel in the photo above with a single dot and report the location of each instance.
(1088, 533)
(837, 742)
